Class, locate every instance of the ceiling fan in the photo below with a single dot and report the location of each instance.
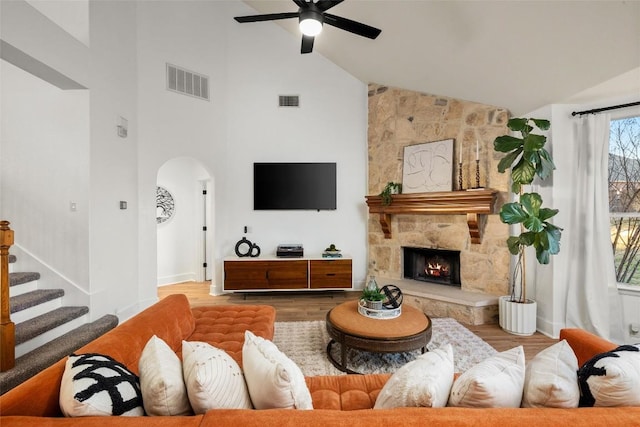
(311, 17)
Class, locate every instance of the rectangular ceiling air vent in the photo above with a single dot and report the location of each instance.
(289, 101)
(187, 82)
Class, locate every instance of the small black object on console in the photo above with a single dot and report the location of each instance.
(245, 248)
(290, 251)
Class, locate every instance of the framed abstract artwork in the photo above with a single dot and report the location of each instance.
(428, 167)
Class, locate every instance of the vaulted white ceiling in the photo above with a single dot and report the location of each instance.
(520, 55)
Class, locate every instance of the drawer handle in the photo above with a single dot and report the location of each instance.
(331, 274)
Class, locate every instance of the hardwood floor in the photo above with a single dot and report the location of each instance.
(296, 306)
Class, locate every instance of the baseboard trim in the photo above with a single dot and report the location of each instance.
(177, 278)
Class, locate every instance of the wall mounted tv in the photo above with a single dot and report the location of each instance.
(289, 186)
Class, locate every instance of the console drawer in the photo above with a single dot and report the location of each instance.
(330, 273)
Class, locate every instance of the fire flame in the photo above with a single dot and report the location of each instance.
(437, 269)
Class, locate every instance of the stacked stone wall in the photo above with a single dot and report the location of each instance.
(398, 118)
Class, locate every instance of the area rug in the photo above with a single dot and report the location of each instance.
(306, 344)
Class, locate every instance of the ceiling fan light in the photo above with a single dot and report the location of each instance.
(310, 23)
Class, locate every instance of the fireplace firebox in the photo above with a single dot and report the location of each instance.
(432, 265)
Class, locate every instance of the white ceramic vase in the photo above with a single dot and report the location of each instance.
(517, 318)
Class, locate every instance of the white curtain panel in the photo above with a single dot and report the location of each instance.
(592, 297)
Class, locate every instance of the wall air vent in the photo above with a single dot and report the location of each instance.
(187, 82)
(289, 101)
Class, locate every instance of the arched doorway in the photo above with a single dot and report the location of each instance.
(184, 222)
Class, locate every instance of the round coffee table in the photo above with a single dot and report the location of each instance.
(409, 331)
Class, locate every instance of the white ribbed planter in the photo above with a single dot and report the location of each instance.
(517, 318)
(374, 305)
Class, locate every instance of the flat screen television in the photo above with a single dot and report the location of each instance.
(291, 186)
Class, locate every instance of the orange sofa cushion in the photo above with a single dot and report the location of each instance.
(585, 345)
(224, 326)
(421, 417)
(39, 395)
(171, 319)
(343, 400)
(346, 392)
(175, 421)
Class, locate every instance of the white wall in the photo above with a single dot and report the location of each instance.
(113, 160)
(61, 147)
(74, 154)
(114, 250)
(547, 281)
(27, 29)
(71, 16)
(631, 312)
(180, 237)
(190, 35)
(329, 126)
(45, 168)
(562, 197)
(242, 124)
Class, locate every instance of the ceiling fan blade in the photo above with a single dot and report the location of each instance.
(307, 44)
(327, 4)
(301, 3)
(267, 17)
(354, 27)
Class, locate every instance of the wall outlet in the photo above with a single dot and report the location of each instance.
(123, 127)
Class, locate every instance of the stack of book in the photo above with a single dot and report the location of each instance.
(331, 254)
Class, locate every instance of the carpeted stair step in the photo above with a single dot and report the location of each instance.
(38, 325)
(16, 279)
(48, 354)
(33, 298)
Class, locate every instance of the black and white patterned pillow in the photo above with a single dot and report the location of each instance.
(611, 378)
(95, 384)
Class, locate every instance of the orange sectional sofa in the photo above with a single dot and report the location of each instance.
(338, 400)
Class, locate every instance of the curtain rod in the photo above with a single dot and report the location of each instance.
(599, 110)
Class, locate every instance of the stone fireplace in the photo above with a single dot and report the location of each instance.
(432, 265)
(398, 118)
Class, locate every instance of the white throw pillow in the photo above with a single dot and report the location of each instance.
(496, 382)
(274, 380)
(611, 378)
(161, 382)
(213, 379)
(551, 378)
(425, 381)
(97, 385)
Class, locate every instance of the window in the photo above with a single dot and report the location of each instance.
(624, 198)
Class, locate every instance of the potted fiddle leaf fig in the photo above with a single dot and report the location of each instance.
(526, 158)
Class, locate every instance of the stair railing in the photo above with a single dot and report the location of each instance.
(7, 327)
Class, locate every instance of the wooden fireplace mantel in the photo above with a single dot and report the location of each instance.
(473, 203)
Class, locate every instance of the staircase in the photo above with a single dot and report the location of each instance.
(45, 329)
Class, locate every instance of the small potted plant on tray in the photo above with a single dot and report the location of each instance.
(373, 298)
(372, 295)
